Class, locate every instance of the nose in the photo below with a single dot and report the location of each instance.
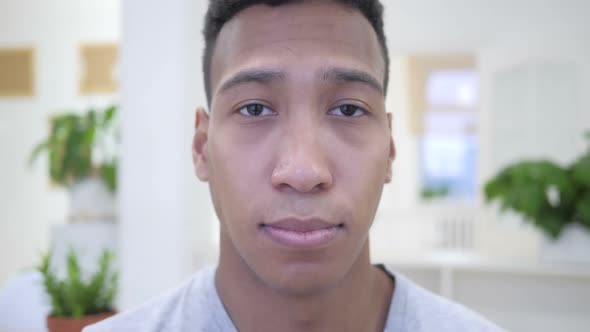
(302, 163)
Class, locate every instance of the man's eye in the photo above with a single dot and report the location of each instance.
(348, 111)
(255, 110)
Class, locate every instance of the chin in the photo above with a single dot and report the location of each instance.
(293, 273)
(304, 279)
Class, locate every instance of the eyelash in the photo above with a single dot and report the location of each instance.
(244, 110)
(358, 108)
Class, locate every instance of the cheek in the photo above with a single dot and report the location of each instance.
(361, 152)
(236, 177)
(361, 170)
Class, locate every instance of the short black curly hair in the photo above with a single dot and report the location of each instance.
(221, 11)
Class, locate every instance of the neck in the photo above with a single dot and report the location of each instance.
(359, 302)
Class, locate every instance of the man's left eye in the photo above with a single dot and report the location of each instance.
(255, 110)
(348, 110)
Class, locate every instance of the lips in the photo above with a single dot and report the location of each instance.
(302, 233)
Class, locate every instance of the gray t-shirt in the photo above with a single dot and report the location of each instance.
(196, 307)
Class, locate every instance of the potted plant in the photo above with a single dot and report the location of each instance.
(78, 300)
(556, 199)
(82, 158)
(81, 149)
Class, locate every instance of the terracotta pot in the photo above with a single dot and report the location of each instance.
(68, 324)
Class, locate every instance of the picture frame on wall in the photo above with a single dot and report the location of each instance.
(17, 72)
(98, 68)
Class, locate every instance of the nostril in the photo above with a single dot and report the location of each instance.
(310, 181)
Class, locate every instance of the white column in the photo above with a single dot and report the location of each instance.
(160, 87)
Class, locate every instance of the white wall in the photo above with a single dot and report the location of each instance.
(29, 205)
(469, 25)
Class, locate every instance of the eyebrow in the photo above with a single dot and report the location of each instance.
(262, 76)
(329, 74)
(344, 75)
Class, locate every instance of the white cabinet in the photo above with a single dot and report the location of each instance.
(519, 297)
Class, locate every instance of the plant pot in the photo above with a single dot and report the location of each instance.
(69, 324)
(572, 246)
(91, 200)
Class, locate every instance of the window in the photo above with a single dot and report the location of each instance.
(448, 93)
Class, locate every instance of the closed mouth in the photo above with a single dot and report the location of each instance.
(302, 233)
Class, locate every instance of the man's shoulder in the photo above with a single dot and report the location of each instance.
(418, 309)
(167, 312)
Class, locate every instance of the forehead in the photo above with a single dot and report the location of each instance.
(310, 34)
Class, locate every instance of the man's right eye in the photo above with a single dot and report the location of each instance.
(255, 110)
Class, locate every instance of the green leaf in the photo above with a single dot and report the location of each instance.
(580, 170)
(522, 187)
(109, 115)
(74, 140)
(76, 297)
(109, 175)
(52, 285)
(37, 151)
(582, 207)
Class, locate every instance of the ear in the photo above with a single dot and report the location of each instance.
(389, 171)
(200, 158)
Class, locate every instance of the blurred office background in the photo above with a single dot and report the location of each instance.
(475, 85)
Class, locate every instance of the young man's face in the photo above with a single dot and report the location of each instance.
(297, 145)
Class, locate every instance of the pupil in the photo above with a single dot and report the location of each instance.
(254, 109)
(348, 110)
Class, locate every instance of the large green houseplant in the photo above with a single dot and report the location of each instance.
(82, 157)
(78, 147)
(78, 300)
(547, 194)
